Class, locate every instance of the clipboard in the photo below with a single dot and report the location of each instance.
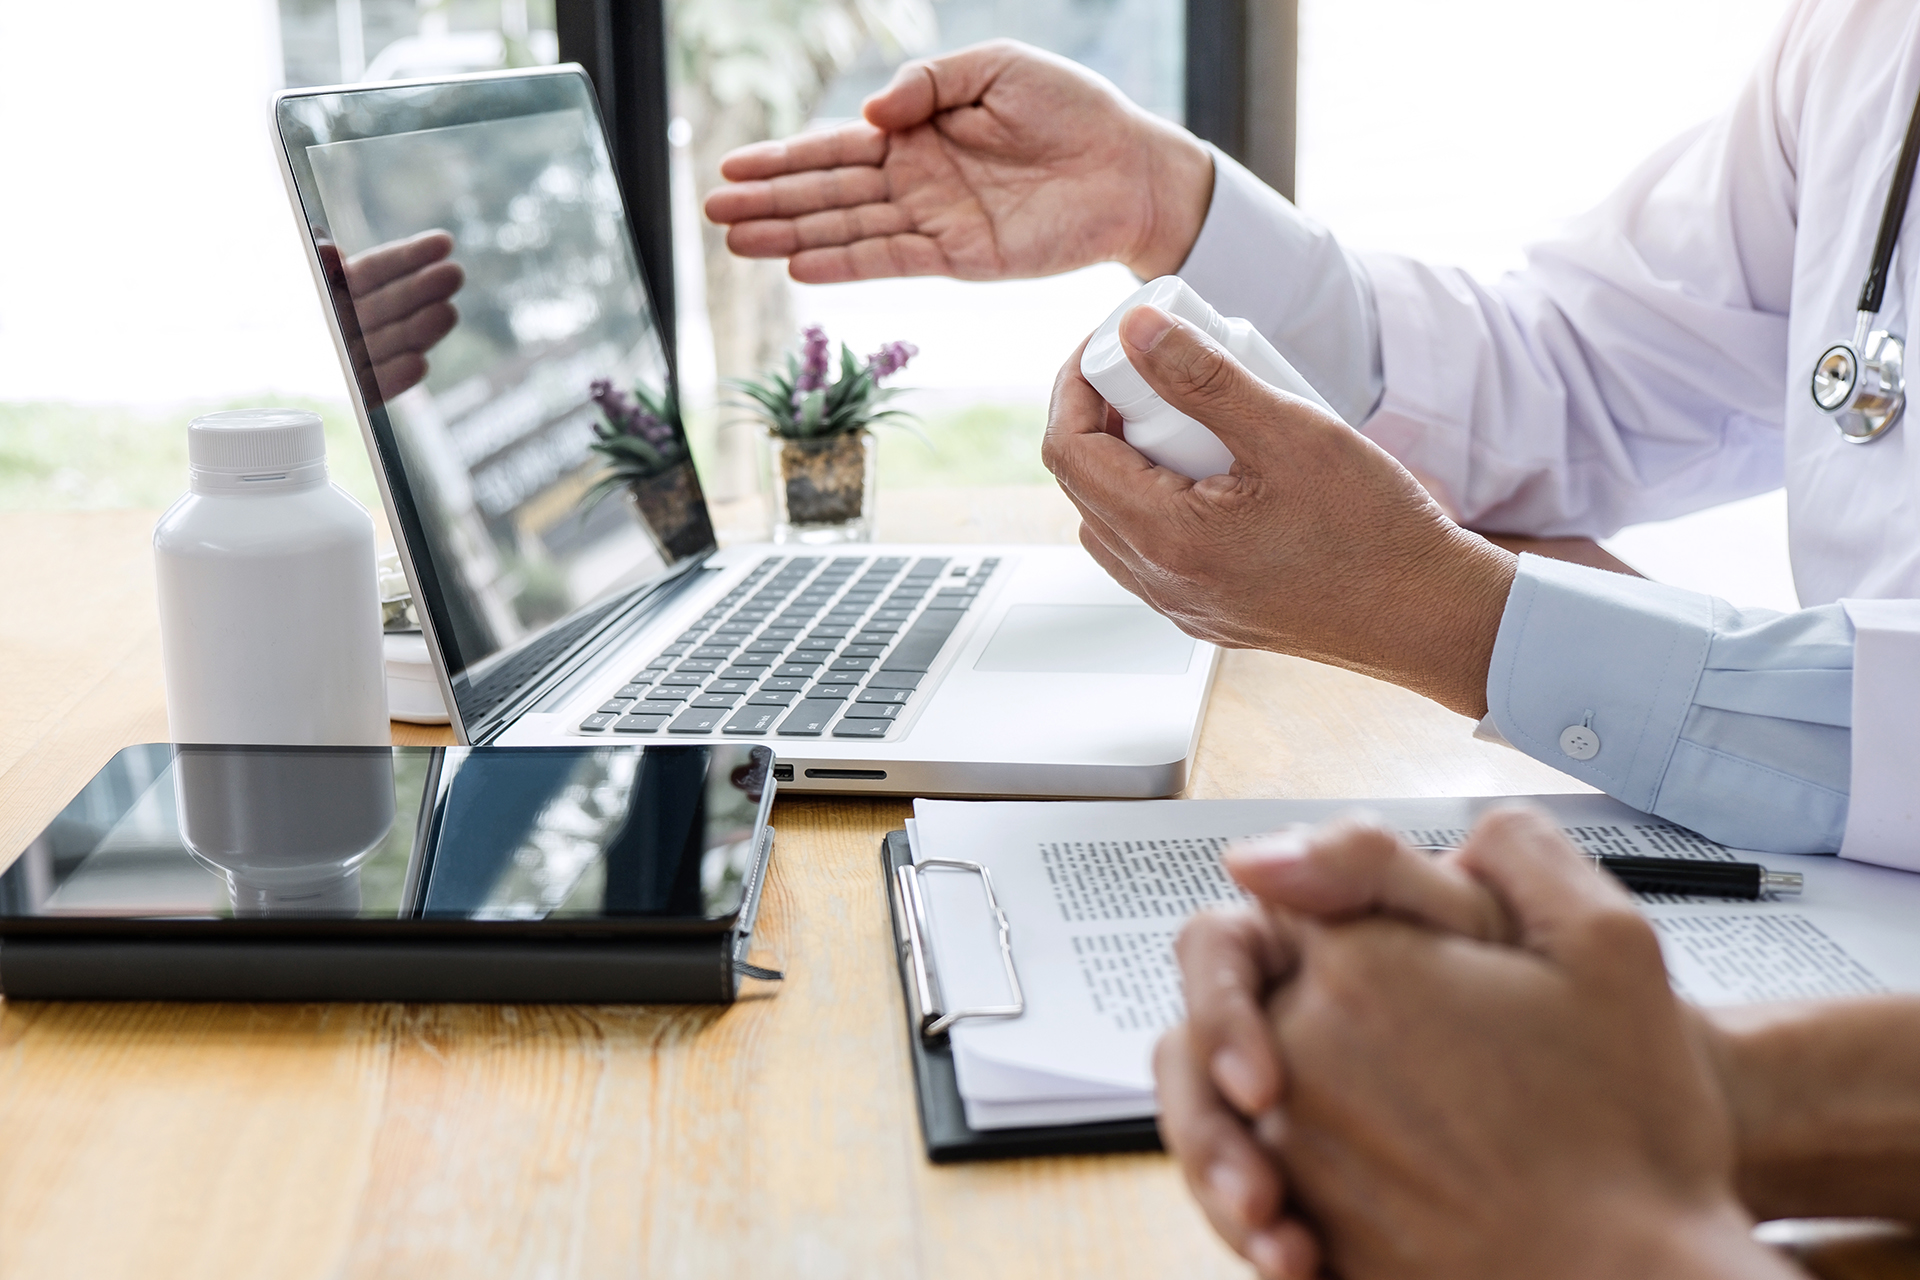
(943, 1119)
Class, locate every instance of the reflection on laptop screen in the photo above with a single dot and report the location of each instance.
(481, 266)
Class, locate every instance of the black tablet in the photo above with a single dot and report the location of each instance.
(603, 873)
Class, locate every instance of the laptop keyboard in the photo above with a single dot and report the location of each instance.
(807, 646)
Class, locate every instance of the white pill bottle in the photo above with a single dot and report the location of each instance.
(269, 604)
(1165, 435)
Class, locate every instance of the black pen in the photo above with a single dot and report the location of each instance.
(1694, 877)
(1700, 877)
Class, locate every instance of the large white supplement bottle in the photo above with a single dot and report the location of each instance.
(269, 606)
(1165, 435)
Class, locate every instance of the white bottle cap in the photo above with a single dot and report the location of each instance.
(244, 450)
(1105, 364)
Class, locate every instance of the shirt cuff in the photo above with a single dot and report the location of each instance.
(1678, 704)
(1260, 258)
(1615, 658)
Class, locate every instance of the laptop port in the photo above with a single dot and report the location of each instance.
(849, 775)
(783, 773)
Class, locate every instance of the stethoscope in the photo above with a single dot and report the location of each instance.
(1861, 382)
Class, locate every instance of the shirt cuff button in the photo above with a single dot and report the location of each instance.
(1579, 742)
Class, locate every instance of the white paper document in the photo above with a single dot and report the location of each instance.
(1095, 893)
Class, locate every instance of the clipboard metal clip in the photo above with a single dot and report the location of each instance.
(932, 1015)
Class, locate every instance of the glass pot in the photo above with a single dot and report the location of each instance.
(823, 488)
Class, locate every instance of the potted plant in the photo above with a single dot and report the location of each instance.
(820, 437)
(646, 455)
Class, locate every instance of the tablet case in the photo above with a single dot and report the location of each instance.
(643, 968)
(943, 1119)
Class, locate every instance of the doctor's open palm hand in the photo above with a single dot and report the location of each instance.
(1316, 543)
(995, 162)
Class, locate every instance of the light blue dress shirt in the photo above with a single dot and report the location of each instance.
(1732, 722)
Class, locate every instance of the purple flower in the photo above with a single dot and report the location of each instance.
(617, 407)
(813, 361)
(627, 418)
(891, 359)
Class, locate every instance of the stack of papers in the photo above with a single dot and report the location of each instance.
(1095, 893)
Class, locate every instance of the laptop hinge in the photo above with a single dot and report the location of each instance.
(646, 605)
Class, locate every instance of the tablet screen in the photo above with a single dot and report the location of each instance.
(473, 834)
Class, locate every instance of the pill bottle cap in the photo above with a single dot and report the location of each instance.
(1105, 364)
(255, 450)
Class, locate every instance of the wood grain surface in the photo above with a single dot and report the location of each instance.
(773, 1138)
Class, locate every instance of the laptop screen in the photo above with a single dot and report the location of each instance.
(480, 265)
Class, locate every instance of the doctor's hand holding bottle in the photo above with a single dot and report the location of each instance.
(1317, 543)
(996, 162)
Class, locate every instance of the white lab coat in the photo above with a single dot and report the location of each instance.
(1655, 358)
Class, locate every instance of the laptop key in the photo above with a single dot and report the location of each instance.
(753, 719)
(699, 720)
(857, 650)
(714, 651)
(781, 683)
(726, 700)
(743, 673)
(730, 686)
(754, 660)
(681, 677)
(639, 724)
(802, 670)
(885, 695)
(672, 693)
(764, 645)
(809, 719)
(851, 728)
(773, 698)
(633, 690)
(615, 706)
(814, 656)
(923, 642)
(875, 711)
(598, 721)
(837, 692)
(706, 666)
(896, 680)
(851, 664)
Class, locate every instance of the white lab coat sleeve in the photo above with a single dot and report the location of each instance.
(1883, 824)
(1635, 369)
(1734, 723)
(1260, 258)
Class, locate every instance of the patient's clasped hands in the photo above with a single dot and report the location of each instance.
(1470, 1067)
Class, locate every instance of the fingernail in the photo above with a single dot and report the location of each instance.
(1230, 1187)
(1270, 1129)
(1235, 1075)
(1266, 1255)
(1144, 327)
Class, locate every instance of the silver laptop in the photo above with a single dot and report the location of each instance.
(553, 618)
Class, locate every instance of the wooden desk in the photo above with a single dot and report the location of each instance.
(774, 1138)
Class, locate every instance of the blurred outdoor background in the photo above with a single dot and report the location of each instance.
(152, 271)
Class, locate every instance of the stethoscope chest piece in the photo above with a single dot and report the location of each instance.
(1862, 384)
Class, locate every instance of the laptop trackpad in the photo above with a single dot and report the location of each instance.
(1104, 639)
